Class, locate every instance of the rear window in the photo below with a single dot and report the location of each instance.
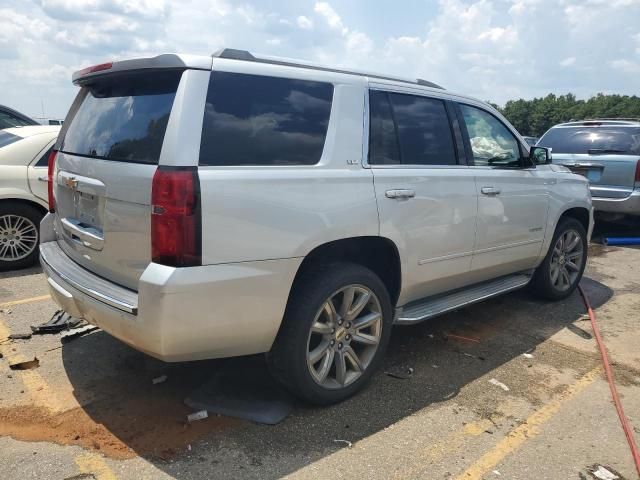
(261, 120)
(7, 138)
(8, 121)
(616, 140)
(123, 118)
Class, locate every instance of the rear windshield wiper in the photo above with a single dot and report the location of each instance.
(605, 150)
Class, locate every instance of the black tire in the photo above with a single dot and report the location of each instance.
(287, 359)
(31, 214)
(541, 284)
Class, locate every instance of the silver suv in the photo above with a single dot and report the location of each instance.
(607, 153)
(207, 207)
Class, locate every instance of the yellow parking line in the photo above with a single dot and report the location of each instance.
(34, 383)
(24, 300)
(529, 429)
(94, 464)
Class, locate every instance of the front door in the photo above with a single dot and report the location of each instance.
(426, 199)
(512, 197)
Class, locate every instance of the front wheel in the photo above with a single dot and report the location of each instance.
(334, 333)
(561, 270)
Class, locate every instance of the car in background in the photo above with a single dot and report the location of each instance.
(607, 152)
(531, 140)
(12, 118)
(24, 152)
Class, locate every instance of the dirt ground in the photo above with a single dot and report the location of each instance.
(510, 388)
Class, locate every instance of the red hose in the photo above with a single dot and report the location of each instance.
(612, 386)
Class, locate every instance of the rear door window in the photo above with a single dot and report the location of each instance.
(594, 140)
(123, 117)
(7, 138)
(261, 120)
(409, 129)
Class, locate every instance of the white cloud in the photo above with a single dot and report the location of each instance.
(330, 15)
(567, 62)
(304, 23)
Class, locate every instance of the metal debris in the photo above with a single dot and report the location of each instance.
(195, 416)
(19, 336)
(603, 473)
(497, 383)
(160, 379)
(25, 365)
(346, 442)
(401, 376)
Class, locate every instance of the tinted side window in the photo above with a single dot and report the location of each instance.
(383, 141)
(7, 138)
(260, 120)
(8, 121)
(620, 140)
(43, 161)
(492, 143)
(423, 130)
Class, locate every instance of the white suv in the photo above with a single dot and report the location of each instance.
(218, 206)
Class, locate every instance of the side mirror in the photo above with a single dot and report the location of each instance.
(540, 155)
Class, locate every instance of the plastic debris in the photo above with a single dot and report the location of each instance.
(78, 332)
(602, 473)
(346, 442)
(497, 383)
(19, 336)
(527, 355)
(195, 416)
(160, 379)
(58, 322)
(401, 376)
(25, 365)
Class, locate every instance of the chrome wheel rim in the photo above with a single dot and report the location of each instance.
(344, 337)
(566, 260)
(18, 237)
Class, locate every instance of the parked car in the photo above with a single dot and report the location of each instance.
(531, 140)
(219, 206)
(12, 118)
(23, 192)
(607, 153)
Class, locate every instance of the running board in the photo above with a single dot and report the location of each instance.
(432, 306)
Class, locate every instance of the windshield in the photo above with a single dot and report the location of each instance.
(123, 118)
(615, 140)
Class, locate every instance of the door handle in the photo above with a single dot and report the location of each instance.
(491, 191)
(400, 193)
(43, 179)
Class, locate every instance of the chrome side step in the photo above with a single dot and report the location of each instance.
(432, 306)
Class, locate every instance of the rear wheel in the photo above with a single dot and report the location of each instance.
(19, 235)
(334, 333)
(560, 272)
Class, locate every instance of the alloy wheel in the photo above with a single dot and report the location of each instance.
(344, 336)
(18, 237)
(566, 260)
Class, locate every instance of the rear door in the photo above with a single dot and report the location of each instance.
(606, 154)
(37, 172)
(108, 153)
(425, 193)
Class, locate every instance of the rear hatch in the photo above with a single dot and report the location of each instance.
(108, 153)
(607, 155)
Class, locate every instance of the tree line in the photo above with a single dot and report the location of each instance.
(534, 117)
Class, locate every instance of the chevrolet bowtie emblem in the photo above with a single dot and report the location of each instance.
(71, 182)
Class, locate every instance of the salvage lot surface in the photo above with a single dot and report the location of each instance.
(90, 407)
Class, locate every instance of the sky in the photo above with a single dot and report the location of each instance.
(495, 50)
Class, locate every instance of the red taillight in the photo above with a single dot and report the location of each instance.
(96, 68)
(175, 217)
(638, 172)
(51, 166)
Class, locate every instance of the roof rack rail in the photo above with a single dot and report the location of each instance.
(235, 54)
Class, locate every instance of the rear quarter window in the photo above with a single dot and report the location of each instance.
(261, 120)
(123, 118)
(614, 140)
(7, 138)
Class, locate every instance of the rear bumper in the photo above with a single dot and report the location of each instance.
(179, 314)
(628, 205)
